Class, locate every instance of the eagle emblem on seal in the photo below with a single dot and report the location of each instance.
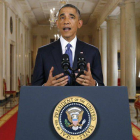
(74, 116)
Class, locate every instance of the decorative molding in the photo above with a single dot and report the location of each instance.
(112, 17)
(1, 1)
(110, 6)
(29, 11)
(13, 10)
(17, 17)
(96, 12)
(129, 1)
(12, 42)
(121, 4)
(104, 25)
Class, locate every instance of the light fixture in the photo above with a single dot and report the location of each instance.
(63, 2)
(53, 13)
(52, 18)
(56, 36)
(139, 74)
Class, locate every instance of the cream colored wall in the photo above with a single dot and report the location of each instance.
(22, 46)
(2, 44)
(10, 39)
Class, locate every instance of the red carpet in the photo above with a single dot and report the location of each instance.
(8, 124)
(7, 131)
(8, 128)
(136, 132)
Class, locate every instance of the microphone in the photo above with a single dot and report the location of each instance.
(81, 63)
(65, 62)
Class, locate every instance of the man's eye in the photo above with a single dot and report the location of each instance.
(61, 17)
(72, 17)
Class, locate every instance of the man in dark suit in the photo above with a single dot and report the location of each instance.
(48, 70)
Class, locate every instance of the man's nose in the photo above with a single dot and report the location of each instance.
(66, 21)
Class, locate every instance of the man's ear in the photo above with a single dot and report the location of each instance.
(80, 23)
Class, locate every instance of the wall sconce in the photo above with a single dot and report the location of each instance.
(56, 36)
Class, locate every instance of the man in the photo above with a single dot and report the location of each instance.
(48, 70)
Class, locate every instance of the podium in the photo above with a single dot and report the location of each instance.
(36, 106)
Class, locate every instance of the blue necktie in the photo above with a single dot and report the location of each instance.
(69, 53)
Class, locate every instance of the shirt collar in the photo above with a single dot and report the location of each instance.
(64, 43)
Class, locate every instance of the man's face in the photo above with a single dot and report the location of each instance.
(68, 22)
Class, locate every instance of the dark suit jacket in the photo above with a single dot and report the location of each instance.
(51, 55)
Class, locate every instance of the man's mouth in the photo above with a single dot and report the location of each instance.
(66, 29)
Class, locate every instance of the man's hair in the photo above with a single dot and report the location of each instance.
(72, 6)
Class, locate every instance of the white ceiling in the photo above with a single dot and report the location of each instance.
(39, 10)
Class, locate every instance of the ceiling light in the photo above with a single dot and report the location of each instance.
(53, 12)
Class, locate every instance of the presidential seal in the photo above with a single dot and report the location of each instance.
(74, 118)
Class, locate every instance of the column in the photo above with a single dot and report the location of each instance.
(34, 49)
(26, 54)
(30, 53)
(108, 51)
(18, 47)
(138, 56)
(25, 65)
(99, 40)
(112, 66)
(130, 47)
(2, 43)
(122, 43)
(104, 52)
(7, 49)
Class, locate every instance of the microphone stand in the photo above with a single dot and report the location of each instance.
(66, 66)
(73, 78)
(72, 75)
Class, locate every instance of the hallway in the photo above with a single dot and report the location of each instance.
(111, 26)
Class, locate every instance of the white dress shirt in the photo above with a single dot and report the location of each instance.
(64, 46)
(73, 44)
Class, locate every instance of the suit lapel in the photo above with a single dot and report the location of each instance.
(79, 48)
(57, 55)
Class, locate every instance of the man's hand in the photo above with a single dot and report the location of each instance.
(86, 80)
(57, 80)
